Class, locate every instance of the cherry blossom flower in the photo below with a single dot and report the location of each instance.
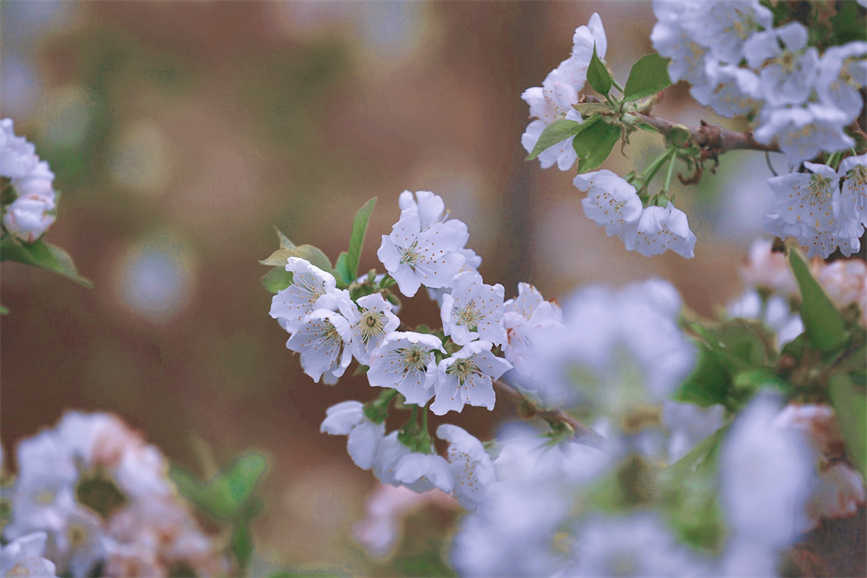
(610, 202)
(428, 257)
(853, 194)
(323, 341)
(467, 377)
(405, 361)
(766, 477)
(368, 325)
(473, 310)
(309, 283)
(24, 557)
(661, 229)
(842, 73)
(558, 94)
(802, 132)
(672, 39)
(420, 472)
(724, 26)
(470, 463)
(348, 418)
(523, 317)
(788, 67)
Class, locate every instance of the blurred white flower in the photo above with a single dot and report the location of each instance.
(348, 418)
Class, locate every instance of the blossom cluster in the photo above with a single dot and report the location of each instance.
(738, 63)
(92, 497)
(611, 201)
(32, 208)
(799, 99)
(541, 515)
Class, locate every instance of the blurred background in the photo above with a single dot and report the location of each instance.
(182, 133)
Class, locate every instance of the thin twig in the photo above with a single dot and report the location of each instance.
(583, 434)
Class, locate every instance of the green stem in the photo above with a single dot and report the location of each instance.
(654, 167)
(616, 84)
(668, 175)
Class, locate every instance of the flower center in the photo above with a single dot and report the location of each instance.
(820, 187)
(463, 369)
(371, 325)
(469, 316)
(414, 358)
(857, 177)
(411, 255)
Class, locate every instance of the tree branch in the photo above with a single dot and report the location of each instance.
(711, 139)
(583, 434)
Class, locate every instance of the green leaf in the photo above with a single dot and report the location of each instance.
(277, 279)
(4, 310)
(356, 240)
(850, 405)
(556, 132)
(597, 74)
(41, 254)
(242, 545)
(822, 322)
(847, 26)
(648, 76)
(226, 495)
(309, 253)
(594, 144)
(587, 109)
(708, 384)
(689, 493)
(285, 243)
(341, 270)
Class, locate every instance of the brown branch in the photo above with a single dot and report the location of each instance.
(712, 139)
(583, 434)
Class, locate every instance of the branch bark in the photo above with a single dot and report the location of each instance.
(583, 434)
(712, 139)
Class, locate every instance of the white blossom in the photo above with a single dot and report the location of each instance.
(639, 544)
(309, 283)
(24, 557)
(428, 257)
(467, 378)
(473, 310)
(802, 132)
(845, 280)
(615, 349)
(853, 195)
(766, 476)
(558, 94)
(470, 464)
(724, 26)
(405, 361)
(610, 202)
(17, 156)
(769, 269)
(429, 207)
(522, 318)
(368, 325)
(522, 526)
(672, 39)
(323, 342)
(28, 219)
(348, 418)
(842, 73)
(773, 312)
(788, 67)
(736, 91)
(661, 229)
(399, 465)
